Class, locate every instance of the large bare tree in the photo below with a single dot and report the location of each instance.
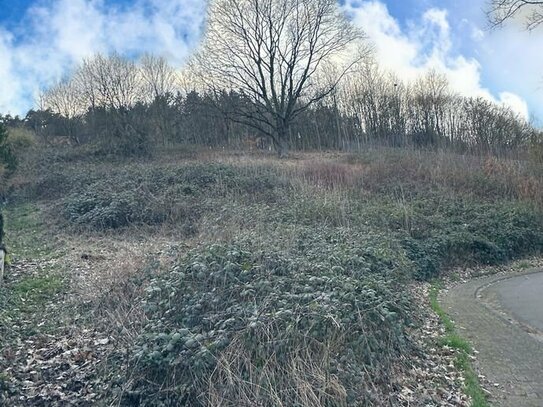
(531, 11)
(275, 53)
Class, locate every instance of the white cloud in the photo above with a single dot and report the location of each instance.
(9, 89)
(515, 102)
(513, 57)
(59, 33)
(423, 45)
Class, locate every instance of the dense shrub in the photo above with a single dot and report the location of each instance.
(142, 195)
(489, 233)
(20, 139)
(101, 206)
(13, 143)
(241, 325)
(439, 228)
(439, 231)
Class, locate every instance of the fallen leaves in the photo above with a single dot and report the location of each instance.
(432, 379)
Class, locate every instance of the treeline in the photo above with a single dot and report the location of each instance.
(132, 107)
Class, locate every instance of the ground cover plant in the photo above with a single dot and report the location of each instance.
(284, 281)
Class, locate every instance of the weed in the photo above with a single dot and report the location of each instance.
(37, 290)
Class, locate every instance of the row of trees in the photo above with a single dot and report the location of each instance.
(270, 73)
(372, 107)
(427, 112)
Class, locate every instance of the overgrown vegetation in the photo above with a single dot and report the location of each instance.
(238, 324)
(441, 214)
(288, 286)
(282, 283)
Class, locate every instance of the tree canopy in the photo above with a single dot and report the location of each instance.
(282, 55)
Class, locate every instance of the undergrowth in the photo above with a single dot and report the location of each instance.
(238, 325)
(293, 290)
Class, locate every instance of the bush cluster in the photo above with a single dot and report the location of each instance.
(7, 158)
(440, 233)
(13, 143)
(157, 195)
(436, 230)
(235, 323)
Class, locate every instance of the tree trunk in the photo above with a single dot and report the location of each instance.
(281, 142)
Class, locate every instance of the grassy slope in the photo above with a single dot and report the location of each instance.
(29, 289)
(382, 218)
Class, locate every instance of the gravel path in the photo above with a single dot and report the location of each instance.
(494, 314)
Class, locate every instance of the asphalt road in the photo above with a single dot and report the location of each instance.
(522, 298)
(502, 316)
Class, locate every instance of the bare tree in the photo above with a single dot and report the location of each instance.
(112, 91)
(158, 77)
(530, 10)
(64, 100)
(272, 51)
(431, 97)
(109, 81)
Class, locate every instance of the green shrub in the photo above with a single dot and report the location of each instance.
(151, 196)
(13, 143)
(466, 232)
(20, 139)
(234, 322)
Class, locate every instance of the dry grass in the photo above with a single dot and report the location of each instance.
(485, 177)
(109, 275)
(330, 174)
(382, 167)
(302, 380)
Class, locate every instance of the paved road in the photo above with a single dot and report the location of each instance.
(522, 298)
(502, 316)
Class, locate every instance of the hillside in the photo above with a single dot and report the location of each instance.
(200, 277)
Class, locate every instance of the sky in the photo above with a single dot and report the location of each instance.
(42, 40)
